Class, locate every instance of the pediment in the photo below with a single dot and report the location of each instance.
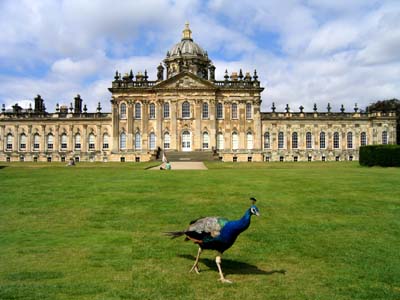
(185, 80)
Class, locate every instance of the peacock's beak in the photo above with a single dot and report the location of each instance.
(257, 214)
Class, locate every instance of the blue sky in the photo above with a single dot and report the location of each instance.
(305, 52)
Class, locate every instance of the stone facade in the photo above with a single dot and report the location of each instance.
(187, 111)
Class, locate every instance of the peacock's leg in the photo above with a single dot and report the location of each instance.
(196, 263)
(222, 278)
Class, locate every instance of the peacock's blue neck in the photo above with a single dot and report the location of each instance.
(240, 225)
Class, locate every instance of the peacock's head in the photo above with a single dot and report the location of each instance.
(253, 209)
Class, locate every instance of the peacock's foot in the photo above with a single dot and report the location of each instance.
(224, 280)
(195, 268)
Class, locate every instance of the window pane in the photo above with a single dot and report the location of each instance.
(220, 141)
(152, 114)
(349, 140)
(336, 141)
(384, 138)
(105, 141)
(249, 140)
(167, 141)
(235, 141)
(205, 110)
(205, 140)
(363, 139)
(166, 110)
(138, 141)
(322, 140)
(138, 110)
(219, 111)
(185, 109)
(295, 142)
(123, 111)
(248, 111)
(152, 143)
(267, 143)
(234, 111)
(280, 140)
(308, 140)
(122, 141)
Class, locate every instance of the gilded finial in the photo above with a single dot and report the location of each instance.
(187, 33)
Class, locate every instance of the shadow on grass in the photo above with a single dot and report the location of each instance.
(2, 167)
(234, 267)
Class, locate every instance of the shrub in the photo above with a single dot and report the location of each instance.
(380, 155)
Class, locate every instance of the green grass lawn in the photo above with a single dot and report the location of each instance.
(326, 231)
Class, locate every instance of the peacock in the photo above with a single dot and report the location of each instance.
(216, 233)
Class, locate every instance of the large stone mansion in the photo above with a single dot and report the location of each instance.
(186, 109)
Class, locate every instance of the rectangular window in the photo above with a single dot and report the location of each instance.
(322, 140)
(205, 110)
(220, 113)
(234, 111)
(166, 110)
(280, 140)
(152, 114)
(249, 114)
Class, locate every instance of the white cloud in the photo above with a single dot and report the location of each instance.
(304, 52)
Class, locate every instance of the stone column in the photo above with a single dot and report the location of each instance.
(99, 138)
(197, 126)
(2, 138)
(129, 129)
(115, 126)
(16, 139)
(159, 133)
(84, 140)
(56, 146)
(174, 129)
(213, 127)
(43, 146)
(71, 144)
(29, 139)
(242, 130)
(257, 139)
(145, 125)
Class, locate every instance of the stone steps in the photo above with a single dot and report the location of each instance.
(190, 156)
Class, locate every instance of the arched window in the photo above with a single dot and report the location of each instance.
(205, 110)
(122, 140)
(384, 138)
(106, 141)
(249, 141)
(64, 141)
(152, 141)
(220, 141)
(249, 114)
(267, 142)
(22, 142)
(122, 112)
(138, 110)
(235, 141)
(166, 110)
(186, 109)
(234, 111)
(152, 109)
(220, 111)
(10, 141)
(322, 142)
(336, 140)
(206, 140)
(363, 139)
(36, 142)
(50, 142)
(281, 140)
(349, 140)
(295, 141)
(92, 141)
(77, 141)
(308, 140)
(167, 140)
(138, 141)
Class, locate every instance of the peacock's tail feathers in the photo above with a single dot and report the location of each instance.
(174, 234)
